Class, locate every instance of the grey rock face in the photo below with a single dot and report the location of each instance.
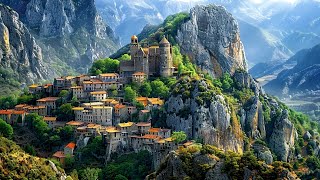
(262, 152)
(283, 137)
(212, 123)
(18, 48)
(70, 33)
(173, 168)
(212, 38)
(252, 120)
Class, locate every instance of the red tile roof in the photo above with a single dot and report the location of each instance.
(59, 154)
(5, 112)
(143, 124)
(71, 145)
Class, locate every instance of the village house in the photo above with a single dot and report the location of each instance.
(40, 110)
(13, 117)
(63, 83)
(98, 85)
(109, 77)
(98, 95)
(110, 102)
(67, 151)
(35, 88)
(139, 77)
(77, 91)
(144, 115)
(163, 133)
(102, 115)
(120, 113)
(51, 121)
(143, 127)
(49, 102)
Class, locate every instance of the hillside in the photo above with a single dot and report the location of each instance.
(16, 164)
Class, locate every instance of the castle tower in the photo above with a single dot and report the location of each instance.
(166, 62)
(134, 47)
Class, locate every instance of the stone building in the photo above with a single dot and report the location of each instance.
(152, 61)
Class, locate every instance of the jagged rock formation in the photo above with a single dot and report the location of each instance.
(211, 38)
(203, 116)
(214, 166)
(20, 55)
(71, 33)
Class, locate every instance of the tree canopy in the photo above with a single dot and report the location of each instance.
(5, 129)
(179, 137)
(129, 94)
(104, 66)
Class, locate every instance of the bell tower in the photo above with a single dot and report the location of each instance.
(166, 62)
(134, 46)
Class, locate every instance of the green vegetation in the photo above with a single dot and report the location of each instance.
(16, 164)
(145, 90)
(64, 112)
(8, 102)
(47, 137)
(179, 137)
(125, 57)
(5, 129)
(233, 164)
(90, 174)
(104, 66)
(129, 94)
(159, 89)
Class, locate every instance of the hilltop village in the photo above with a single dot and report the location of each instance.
(123, 126)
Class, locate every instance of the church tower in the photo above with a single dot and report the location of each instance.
(134, 47)
(166, 62)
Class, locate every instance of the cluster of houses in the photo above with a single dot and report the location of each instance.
(99, 114)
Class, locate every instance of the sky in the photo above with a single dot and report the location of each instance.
(283, 1)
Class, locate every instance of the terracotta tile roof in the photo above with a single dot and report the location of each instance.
(71, 145)
(149, 136)
(109, 74)
(93, 126)
(59, 154)
(98, 92)
(169, 139)
(141, 98)
(5, 112)
(75, 123)
(143, 124)
(48, 99)
(34, 86)
(145, 111)
(78, 108)
(20, 105)
(119, 106)
(155, 101)
(46, 118)
(18, 112)
(112, 129)
(139, 74)
(101, 107)
(189, 143)
(77, 87)
(155, 130)
(127, 124)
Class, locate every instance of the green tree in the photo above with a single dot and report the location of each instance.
(159, 89)
(120, 177)
(74, 174)
(179, 137)
(104, 66)
(145, 89)
(69, 161)
(65, 113)
(129, 94)
(30, 150)
(89, 173)
(5, 129)
(25, 99)
(64, 93)
(227, 82)
(114, 93)
(8, 102)
(125, 57)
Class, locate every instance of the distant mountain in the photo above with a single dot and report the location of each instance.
(305, 76)
(71, 33)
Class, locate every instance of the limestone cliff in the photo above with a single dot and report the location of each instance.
(21, 57)
(71, 33)
(208, 163)
(212, 38)
(203, 114)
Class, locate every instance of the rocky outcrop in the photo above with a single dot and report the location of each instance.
(263, 153)
(283, 136)
(19, 51)
(211, 38)
(210, 120)
(70, 33)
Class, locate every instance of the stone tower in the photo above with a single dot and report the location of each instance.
(166, 62)
(134, 47)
